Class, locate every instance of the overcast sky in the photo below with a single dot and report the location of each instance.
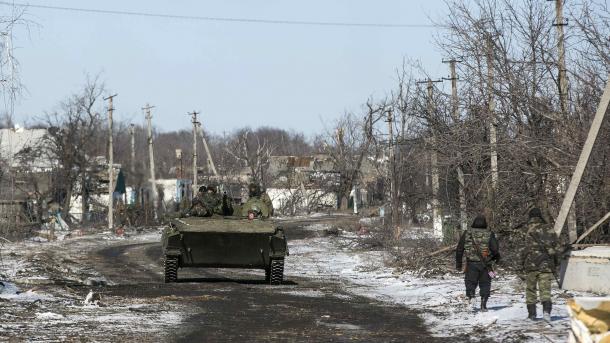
(237, 74)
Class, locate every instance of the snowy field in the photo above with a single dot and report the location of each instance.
(441, 300)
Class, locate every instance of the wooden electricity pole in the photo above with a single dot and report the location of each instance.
(151, 157)
(456, 119)
(110, 165)
(195, 123)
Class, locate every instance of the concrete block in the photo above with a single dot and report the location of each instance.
(587, 270)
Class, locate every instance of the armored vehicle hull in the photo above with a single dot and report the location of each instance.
(224, 243)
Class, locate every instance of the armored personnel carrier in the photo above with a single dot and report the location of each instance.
(224, 242)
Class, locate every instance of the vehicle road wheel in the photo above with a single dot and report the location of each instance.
(277, 271)
(171, 269)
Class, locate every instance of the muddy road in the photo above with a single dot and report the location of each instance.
(206, 305)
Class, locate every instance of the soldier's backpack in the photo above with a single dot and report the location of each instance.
(477, 238)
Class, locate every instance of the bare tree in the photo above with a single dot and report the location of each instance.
(74, 139)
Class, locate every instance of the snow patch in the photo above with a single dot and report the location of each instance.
(441, 299)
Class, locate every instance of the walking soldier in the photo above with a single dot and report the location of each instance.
(481, 248)
(539, 259)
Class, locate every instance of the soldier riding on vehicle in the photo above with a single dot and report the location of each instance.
(207, 203)
(258, 205)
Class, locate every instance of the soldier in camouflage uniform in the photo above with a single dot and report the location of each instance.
(198, 208)
(259, 203)
(539, 259)
(206, 203)
(481, 248)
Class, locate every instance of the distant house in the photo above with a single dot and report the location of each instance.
(17, 143)
(25, 172)
(302, 183)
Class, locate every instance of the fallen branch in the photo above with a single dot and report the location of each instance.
(442, 250)
(592, 228)
(578, 246)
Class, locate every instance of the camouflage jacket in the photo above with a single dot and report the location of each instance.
(206, 205)
(541, 247)
(484, 239)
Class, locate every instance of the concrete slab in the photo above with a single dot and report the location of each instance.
(587, 270)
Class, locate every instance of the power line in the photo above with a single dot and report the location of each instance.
(220, 19)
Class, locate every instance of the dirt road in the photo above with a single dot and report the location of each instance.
(238, 306)
(206, 305)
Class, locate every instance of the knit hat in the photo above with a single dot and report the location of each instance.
(479, 222)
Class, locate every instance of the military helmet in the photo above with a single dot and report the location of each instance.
(202, 189)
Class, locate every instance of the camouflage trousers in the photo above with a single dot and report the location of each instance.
(538, 281)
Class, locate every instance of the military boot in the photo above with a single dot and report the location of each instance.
(531, 311)
(546, 310)
(484, 304)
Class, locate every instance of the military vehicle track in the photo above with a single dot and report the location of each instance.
(277, 271)
(171, 269)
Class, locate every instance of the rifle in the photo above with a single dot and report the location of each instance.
(486, 261)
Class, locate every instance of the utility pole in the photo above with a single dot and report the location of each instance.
(195, 123)
(493, 123)
(211, 165)
(456, 119)
(151, 157)
(563, 80)
(110, 165)
(563, 97)
(392, 175)
(437, 219)
(132, 133)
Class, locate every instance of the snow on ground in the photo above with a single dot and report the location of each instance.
(441, 300)
(44, 300)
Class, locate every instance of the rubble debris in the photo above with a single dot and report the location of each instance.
(93, 298)
(96, 281)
